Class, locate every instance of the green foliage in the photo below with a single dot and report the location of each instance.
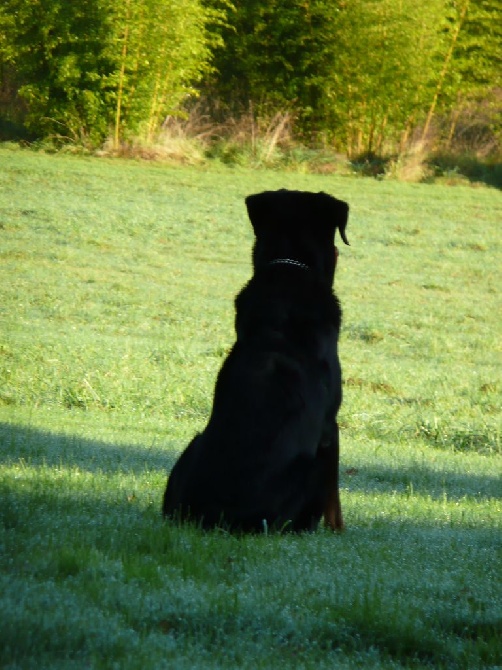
(358, 75)
(116, 291)
(160, 51)
(477, 58)
(378, 83)
(55, 52)
(350, 70)
(87, 66)
(475, 100)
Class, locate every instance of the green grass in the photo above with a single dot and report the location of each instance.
(117, 282)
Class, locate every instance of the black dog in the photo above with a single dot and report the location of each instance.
(268, 458)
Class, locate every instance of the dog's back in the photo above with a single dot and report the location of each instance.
(266, 454)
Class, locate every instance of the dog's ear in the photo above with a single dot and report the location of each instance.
(261, 208)
(336, 211)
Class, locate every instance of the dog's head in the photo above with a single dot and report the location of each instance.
(299, 226)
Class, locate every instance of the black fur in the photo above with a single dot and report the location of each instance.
(268, 457)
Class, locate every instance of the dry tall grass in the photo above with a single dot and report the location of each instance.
(460, 148)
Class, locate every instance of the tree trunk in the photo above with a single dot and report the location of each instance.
(120, 91)
(444, 70)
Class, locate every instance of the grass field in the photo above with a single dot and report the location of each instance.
(117, 282)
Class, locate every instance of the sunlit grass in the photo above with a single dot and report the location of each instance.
(117, 282)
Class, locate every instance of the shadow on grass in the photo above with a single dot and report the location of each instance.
(476, 171)
(451, 168)
(88, 534)
(421, 481)
(111, 552)
(36, 447)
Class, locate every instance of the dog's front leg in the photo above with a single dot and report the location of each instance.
(332, 507)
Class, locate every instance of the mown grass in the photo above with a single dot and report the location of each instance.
(117, 281)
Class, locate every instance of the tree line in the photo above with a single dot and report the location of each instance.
(357, 75)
